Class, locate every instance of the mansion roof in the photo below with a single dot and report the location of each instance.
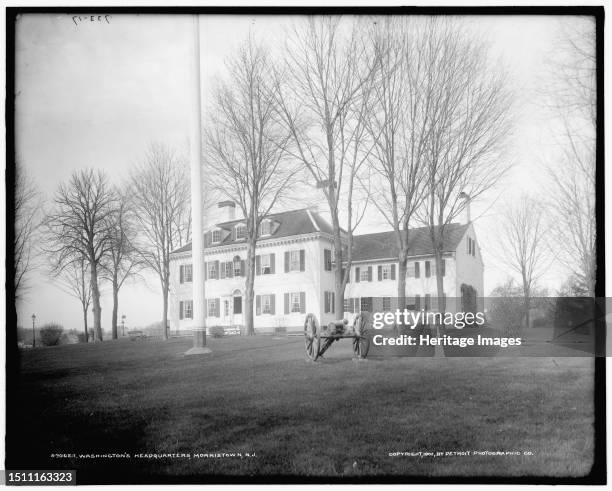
(382, 245)
(374, 246)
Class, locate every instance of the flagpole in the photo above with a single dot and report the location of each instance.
(195, 155)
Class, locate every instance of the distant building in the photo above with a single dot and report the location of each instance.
(295, 272)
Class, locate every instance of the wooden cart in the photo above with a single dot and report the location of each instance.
(318, 339)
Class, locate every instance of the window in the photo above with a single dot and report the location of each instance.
(417, 270)
(240, 232)
(294, 260)
(364, 274)
(188, 309)
(264, 228)
(212, 270)
(386, 272)
(386, 301)
(186, 273)
(216, 236)
(229, 269)
(266, 304)
(213, 307)
(294, 302)
(347, 305)
(265, 264)
(226, 305)
(427, 269)
(237, 266)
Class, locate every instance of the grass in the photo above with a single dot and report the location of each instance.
(337, 418)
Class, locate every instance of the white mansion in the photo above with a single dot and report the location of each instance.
(294, 272)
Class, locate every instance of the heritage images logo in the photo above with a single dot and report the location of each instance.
(412, 319)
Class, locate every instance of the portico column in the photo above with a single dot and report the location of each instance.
(195, 156)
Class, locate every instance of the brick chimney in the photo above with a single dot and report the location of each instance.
(228, 211)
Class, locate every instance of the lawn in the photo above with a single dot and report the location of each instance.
(333, 419)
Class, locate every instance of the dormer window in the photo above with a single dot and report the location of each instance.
(265, 227)
(216, 236)
(240, 232)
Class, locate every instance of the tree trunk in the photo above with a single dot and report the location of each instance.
(115, 307)
(439, 280)
(85, 323)
(165, 289)
(95, 296)
(249, 293)
(339, 277)
(401, 280)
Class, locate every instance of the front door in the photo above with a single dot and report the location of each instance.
(237, 308)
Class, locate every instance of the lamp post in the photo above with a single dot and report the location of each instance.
(123, 324)
(33, 331)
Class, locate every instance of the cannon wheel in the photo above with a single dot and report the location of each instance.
(312, 336)
(361, 343)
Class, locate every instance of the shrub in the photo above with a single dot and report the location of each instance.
(217, 331)
(50, 334)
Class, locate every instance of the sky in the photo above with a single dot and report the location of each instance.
(97, 93)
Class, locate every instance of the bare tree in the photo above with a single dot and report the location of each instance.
(123, 260)
(323, 91)
(78, 228)
(247, 149)
(73, 279)
(161, 203)
(470, 119)
(399, 125)
(524, 246)
(27, 226)
(572, 96)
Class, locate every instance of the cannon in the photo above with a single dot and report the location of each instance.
(318, 339)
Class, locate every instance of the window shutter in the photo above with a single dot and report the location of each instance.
(222, 270)
(327, 259)
(272, 269)
(427, 269)
(303, 302)
(393, 271)
(205, 270)
(242, 269)
(205, 307)
(302, 260)
(326, 301)
(356, 275)
(333, 302)
(217, 269)
(257, 265)
(257, 304)
(272, 302)
(181, 310)
(369, 273)
(218, 307)
(379, 272)
(286, 261)
(417, 269)
(230, 269)
(286, 303)
(182, 273)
